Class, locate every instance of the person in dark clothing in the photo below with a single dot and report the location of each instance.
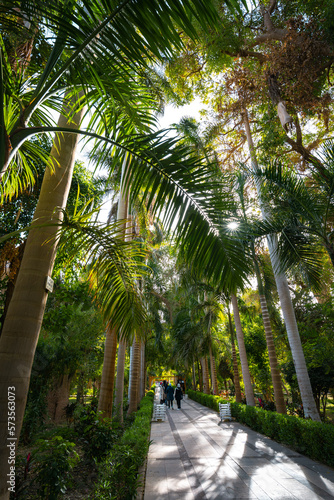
(178, 396)
(170, 396)
(164, 388)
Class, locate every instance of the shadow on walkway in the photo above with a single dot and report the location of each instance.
(195, 457)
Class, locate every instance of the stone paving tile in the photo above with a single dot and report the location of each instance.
(195, 457)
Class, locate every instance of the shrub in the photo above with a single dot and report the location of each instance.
(118, 473)
(97, 436)
(314, 439)
(54, 460)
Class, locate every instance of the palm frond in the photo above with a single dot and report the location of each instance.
(114, 267)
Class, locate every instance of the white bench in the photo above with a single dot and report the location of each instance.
(225, 411)
(159, 412)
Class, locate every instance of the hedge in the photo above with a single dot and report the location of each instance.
(313, 439)
(118, 474)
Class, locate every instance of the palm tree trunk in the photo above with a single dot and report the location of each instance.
(139, 374)
(200, 378)
(119, 395)
(25, 313)
(194, 377)
(310, 409)
(108, 373)
(142, 371)
(205, 374)
(242, 353)
(110, 348)
(130, 371)
(213, 372)
(275, 374)
(237, 389)
(134, 377)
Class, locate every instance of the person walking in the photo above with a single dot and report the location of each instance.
(164, 388)
(178, 396)
(170, 396)
(162, 393)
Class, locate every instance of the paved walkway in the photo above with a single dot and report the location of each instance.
(194, 458)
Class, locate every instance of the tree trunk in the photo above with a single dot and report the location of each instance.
(110, 348)
(214, 381)
(205, 373)
(119, 395)
(80, 388)
(194, 377)
(25, 313)
(134, 377)
(142, 371)
(242, 353)
(200, 378)
(275, 374)
(58, 398)
(304, 383)
(130, 371)
(237, 389)
(108, 373)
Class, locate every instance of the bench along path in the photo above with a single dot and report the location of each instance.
(195, 457)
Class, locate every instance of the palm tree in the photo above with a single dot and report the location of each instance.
(238, 397)
(285, 300)
(275, 375)
(134, 376)
(242, 353)
(105, 404)
(302, 211)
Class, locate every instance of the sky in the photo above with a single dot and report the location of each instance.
(174, 115)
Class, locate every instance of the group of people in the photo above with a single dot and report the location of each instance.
(167, 394)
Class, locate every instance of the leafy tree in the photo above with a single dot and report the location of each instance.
(71, 343)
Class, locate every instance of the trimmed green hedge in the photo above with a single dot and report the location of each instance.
(118, 474)
(314, 439)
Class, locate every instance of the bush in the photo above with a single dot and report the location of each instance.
(54, 460)
(118, 474)
(314, 439)
(96, 436)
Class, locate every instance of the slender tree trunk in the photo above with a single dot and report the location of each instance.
(110, 348)
(130, 371)
(194, 376)
(214, 380)
(134, 377)
(119, 395)
(237, 389)
(200, 378)
(275, 374)
(242, 353)
(138, 379)
(304, 383)
(108, 373)
(25, 313)
(142, 371)
(205, 373)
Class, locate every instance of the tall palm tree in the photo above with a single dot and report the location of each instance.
(285, 300)
(238, 397)
(242, 353)
(105, 404)
(275, 375)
